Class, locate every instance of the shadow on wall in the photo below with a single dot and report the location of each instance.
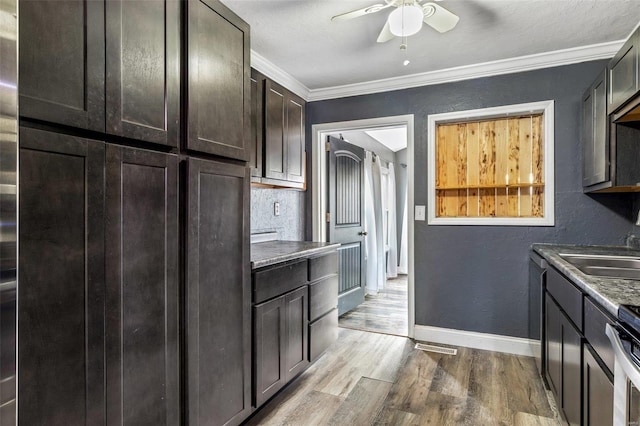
(289, 224)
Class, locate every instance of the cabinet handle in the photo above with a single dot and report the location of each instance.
(364, 233)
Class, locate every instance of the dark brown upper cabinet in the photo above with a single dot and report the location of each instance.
(218, 81)
(61, 372)
(282, 145)
(595, 138)
(257, 88)
(62, 62)
(624, 73)
(218, 294)
(143, 70)
(142, 290)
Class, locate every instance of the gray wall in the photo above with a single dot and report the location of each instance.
(361, 139)
(290, 225)
(475, 277)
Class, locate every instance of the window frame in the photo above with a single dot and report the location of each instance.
(506, 111)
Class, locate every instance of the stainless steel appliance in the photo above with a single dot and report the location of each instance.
(8, 207)
(625, 339)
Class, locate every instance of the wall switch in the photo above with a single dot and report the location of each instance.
(276, 209)
(420, 213)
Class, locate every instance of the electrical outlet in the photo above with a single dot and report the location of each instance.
(420, 213)
(276, 209)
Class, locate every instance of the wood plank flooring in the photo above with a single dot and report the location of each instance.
(385, 312)
(377, 379)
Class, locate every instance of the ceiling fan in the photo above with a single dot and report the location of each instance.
(407, 18)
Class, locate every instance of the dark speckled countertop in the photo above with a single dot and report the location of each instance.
(608, 292)
(272, 252)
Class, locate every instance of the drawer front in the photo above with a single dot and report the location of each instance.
(322, 333)
(277, 280)
(594, 325)
(322, 266)
(323, 296)
(568, 296)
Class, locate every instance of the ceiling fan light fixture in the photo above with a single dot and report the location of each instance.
(406, 20)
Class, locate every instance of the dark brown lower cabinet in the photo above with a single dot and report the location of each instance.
(564, 355)
(218, 294)
(142, 296)
(597, 390)
(61, 267)
(280, 342)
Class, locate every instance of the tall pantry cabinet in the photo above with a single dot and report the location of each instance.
(134, 288)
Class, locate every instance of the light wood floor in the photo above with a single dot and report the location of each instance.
(377, 379)
(385, 312)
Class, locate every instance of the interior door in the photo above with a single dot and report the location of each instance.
(346, 218)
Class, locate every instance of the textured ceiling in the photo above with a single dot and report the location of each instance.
(299, 37)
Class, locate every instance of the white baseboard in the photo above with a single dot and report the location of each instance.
(471, 339)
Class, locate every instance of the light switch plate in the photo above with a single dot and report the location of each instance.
(420, 213)
(276, 209)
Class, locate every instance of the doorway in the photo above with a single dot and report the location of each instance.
(388, 297)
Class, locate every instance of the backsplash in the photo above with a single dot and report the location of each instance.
(289, 224)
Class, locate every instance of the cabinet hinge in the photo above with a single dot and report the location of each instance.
(327, 146)
(328, 217)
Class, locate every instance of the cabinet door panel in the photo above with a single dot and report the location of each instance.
(269, 346)
(61, 292)
(623, 73)
(142, 287)
(275, 147)
(218, 81)
(143, 69)
(553, 346)
(571, 372)
(588, 165)
(62, 62)
(297, 318)
(218, 293)
(295, 140)
(257, 89)
(600, 131)
(597, 392)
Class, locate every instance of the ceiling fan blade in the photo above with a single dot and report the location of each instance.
(385, 34)
(360, 12)
(439, 18)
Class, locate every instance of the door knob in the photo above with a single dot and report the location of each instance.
(364, 234)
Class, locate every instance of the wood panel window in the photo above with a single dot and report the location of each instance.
(492, 166)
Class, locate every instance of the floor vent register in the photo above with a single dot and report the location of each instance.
(437, 349)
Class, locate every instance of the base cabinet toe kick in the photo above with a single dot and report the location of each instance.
(295, 319)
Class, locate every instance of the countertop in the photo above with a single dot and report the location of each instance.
(272, 252)
(608, 292)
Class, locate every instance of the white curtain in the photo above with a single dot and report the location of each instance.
(392, 256)
(374, 241)
(370, 249)
(403, 266)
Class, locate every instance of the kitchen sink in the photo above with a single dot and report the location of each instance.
(626, 267)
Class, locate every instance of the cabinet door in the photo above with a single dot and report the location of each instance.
(143, 69)
(257, 89)
(553, 347)
(270, 348)
(142, 287)
(623, 73)
(275, 146)
(295, 138)
(297, 326)
(595, 141)
(62, 62)
(219, 78)
(571, 372)
(61, 267)
(218, 287)
(597, 392)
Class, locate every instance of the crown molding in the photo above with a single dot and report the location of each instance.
(278, 75)
(505, 66)
(467, 72)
